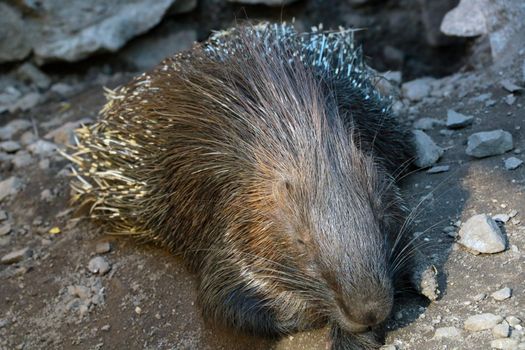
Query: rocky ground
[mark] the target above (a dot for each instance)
(64, 284)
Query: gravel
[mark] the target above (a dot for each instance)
(489, 143)
(481, 234)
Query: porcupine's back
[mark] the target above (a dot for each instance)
(183, 149)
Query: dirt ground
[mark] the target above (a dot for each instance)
(50, 300)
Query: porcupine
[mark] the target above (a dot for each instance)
(268, 160)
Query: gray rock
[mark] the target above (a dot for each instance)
(501, 217)
(14, 43)
(502, 294)
(62, 89)
(504, 344)
(9, 187)
(3, 215)
(5, 229)
(22, 159)
(42, 148)
(28, 138)
(29, 73)
(489, 143)
(481, 322)
(427, 123)
(388, 347)
(146, 52)
(417, 89)
(74, 31)
(447, 332)
(501, 330)
(457, 120)
(16, 256)
(513, 320)
(103, 248)
(465, 20)
(481, 234)
(427, 151)
(272, 2)
(26, 103)
(438, 169)
(510, 86)
(8, 131)
(10, 146)
(99, 265)
(510, 99)
(513, 163)
(46, 195)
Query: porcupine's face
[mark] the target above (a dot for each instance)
(344, 233)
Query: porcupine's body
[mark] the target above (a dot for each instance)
(266, 159)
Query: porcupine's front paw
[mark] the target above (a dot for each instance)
(343, 340)
(424, 277)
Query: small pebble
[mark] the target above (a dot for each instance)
(138, 310)
(10, 186)
(3, 215)
(438, 169)
(447, 332)
(103, 248)
(105, 328)
(427, 123)
(5, 229)
(501, 218)
(502, 294)
(81, 292)
(481, 234)
(16, 256)
(99, 265)
(427, 152)
(457, 120)
(513, 163)
(10, 146)
(510, 99)
(479, 297)
(510, 86)
(504, 344)
(481, 322)
(388, 347)
(501, 330)
(513, 320)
